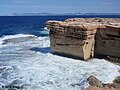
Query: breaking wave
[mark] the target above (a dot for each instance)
(26, 61)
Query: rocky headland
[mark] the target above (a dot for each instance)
(85, 38)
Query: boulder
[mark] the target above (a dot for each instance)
(97, 88)
(93, 81)
(96, 84)
(117, 80)
(116, 83)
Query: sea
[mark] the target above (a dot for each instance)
(11, 25)
(27, 62)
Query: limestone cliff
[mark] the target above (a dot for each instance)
(108, 41)
(85, 37)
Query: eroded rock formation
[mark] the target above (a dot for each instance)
(85, 37)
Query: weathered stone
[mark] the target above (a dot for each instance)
(108, 41)
(93, 88)
(116, 86)
(93, 81)
(117, 80)
(97, 88)
(119, 71)
(114, 60)
(84, 38)
(96, 84)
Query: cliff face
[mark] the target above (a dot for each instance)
(84, 38)
(108, 41)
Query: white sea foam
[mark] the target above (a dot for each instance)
(31, 65)
(44, 31)
(14, 36)
(45, 28)
(1, 41)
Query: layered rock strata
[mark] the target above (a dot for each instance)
(108, 41)
(83, 38)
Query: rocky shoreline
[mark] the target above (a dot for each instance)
(96, 84)
(85, 38)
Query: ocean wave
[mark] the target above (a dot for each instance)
(8, 37)
(45, 28)
(43, 32)
(29, 63)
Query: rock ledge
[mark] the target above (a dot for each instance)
(85, 38)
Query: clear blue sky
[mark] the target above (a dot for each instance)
(59, 6)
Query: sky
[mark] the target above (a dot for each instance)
(8, 7)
